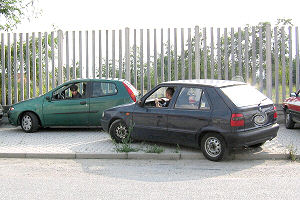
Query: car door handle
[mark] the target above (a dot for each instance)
(82, 102)
(159, 116)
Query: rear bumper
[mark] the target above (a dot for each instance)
(248, 138)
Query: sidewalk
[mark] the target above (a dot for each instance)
(92, 143)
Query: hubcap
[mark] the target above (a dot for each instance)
(213, 146)
(26, 122)
(121, 131)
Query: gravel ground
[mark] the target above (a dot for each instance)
(14, 140)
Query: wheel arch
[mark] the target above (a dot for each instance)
(22, 113)
(210, 130)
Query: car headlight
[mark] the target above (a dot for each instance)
(103, 114)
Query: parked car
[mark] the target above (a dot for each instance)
(291, 108)
(1, 113)
(214, 115)
(74, 103)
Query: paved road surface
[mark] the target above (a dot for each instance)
(140, 179)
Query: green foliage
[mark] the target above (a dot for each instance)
(154, 149)
(12, 12)
(292, 152)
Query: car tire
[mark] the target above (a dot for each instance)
(29, 122)
(289, 123)
(213, 146)
(257, 145)
(118, 131)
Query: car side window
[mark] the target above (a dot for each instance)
(161, 97)
(103, 89)
(71, 91)
(189, 98)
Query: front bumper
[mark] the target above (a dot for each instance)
(13, 118)
(252, 137)
(105, 125)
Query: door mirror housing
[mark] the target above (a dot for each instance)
(48, 98)
(293, 94)
(139, 103)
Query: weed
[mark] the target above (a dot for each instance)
(154, 149)
(292, 152)
(125, 145)
(177, 150)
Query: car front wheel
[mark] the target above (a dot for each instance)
(213, 146)
(289, 123)
(118, 130)
(29, 122)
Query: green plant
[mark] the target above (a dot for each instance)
(154, 149)
(125, 145)
(177, 150)
(292, 152)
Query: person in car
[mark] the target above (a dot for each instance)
(169, 94)
(75, 93)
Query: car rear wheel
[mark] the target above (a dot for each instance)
(118, 130)
(213, 146)
(29, 122)
(289, 123)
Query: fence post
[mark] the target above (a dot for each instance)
(148, 61)
(60, 55)
(127, 55)
(268, 61)
(297, 57)
(276, 65)
(113, 53)
(40, 64)
(197, 52)
(9, 96)
(67, 56)
(21, 67)
(3, 88)
(15, 70)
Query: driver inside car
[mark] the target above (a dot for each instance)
(169, 95)
(75, 93)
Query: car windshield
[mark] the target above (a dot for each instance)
(245, 95)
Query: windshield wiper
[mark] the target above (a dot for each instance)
(262, 101)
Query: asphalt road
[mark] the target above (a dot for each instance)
(145, 179)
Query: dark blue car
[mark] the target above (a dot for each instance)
(214, 115)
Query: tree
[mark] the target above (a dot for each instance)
(12, 12)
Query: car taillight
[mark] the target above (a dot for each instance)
(131, 94)
(237, 120)
(275, 115)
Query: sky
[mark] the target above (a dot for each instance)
(71, 15)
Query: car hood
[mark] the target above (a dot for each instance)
(28, 101)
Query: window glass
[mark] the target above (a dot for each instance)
(71, 91)
(245, 95)
(204, 102)
(160, 98)
(103, 89)
(189, 98)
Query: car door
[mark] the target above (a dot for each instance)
(189, 114)
(149, 121)
(63, 110)
(104, 95)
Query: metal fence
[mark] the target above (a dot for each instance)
(265, 57)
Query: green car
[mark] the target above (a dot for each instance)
(74, 103)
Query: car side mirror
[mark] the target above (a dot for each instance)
(293, 94)
(139, 103)
(48, 98)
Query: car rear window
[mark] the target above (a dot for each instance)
(245, 95)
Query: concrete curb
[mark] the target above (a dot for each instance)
(143, 156)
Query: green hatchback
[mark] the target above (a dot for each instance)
(79, 102)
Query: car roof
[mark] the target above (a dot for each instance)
(97, 79)
(206, 82)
